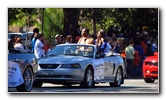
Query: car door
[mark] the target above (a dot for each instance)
(98, 69)
(109, 67)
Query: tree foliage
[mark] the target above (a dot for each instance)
(123, 17)
(53, 22)
(65, 20)
(23, 17)
(93, 15)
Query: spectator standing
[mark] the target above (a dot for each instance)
(136, 63)
(143, 44)
(149, 50)
(35, 36)
(154, 46)
(46, 46)
(50, 47)
(145, 30)
(39, 46)
(68, 39)
(58, 39)
(141, 54)
(129, 51)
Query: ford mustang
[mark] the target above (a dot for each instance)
(150, 68)
(69, 64)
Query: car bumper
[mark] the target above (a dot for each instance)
(150, 71)
(60, 75)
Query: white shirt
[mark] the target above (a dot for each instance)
(38, 50)
(107, 49)
(19, 46)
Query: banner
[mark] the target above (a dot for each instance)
(14, 74)
(98, 69)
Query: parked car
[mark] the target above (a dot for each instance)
(26, 37)
(69, 64)
(28, 40)
(13, 35)
(150, 68)
(22, 67)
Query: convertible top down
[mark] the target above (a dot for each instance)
(69, 64)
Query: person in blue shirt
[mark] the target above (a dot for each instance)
(35, 35)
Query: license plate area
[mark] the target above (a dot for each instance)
(47, 72)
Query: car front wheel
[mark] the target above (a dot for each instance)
(88, 78)
(118, 78)
(28, 81)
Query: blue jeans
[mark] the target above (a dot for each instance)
(136, 70)
(140, 68)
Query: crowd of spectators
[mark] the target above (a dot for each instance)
(133, 45)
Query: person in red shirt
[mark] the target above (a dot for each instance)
(143, 46)
(136, 63)
(46, 46)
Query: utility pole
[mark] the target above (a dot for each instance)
(27, 29)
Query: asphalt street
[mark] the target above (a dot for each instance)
(129, 86)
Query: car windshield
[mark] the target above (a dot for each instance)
(72, 50)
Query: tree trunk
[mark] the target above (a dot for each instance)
(93, 26)
(93, 21)
(70, 21)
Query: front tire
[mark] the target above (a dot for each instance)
(88, 78)
(149, 80)
(28, 81)
(118, 78)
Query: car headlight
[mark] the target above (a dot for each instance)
(39, 67)
(70, 66)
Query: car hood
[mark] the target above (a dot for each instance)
(62, 59)
(152, 58)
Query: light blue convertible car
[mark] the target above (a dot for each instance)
(69, 64)
(22, 67)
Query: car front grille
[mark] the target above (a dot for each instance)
(151, 63)
(49, 66)
(154, 72)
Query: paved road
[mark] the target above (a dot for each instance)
(130, 86)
